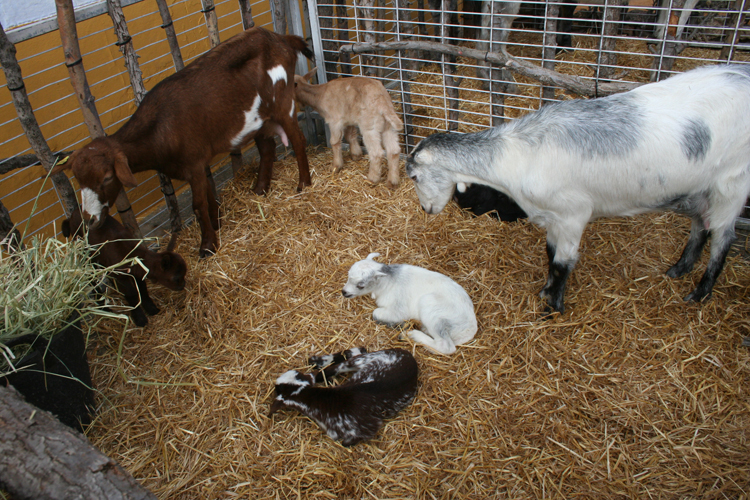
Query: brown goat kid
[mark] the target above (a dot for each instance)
(116, 244)
(348, 103)
(239, 91)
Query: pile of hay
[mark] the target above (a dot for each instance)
(630, 393)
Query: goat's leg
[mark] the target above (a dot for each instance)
(199, 186)
(563, 241)
(388, 317)
(294, 133)
(437, 344)
(267, 151)
(372, 142)
(692, 251)
(352, 137)
(721, 241)
(146, 302)
(392, 152)
(127, 285)
(337, 134)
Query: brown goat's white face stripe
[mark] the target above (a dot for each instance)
(277, 73)
(253, 122)
(91, 205)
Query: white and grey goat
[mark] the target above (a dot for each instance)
(682, 144)
(403, 292)
(382, 384)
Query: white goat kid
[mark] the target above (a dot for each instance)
(348, 103)
(403, 292)
(682, 144)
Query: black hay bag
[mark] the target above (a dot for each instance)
(57, 376)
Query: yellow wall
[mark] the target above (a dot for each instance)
(56, 107)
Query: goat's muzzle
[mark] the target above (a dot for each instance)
(346, 294)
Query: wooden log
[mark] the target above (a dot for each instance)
(74, 61)
(573, 84)
(174, 46)
(41, 458)
(14, 79)
(23, 161)
(125, 42)
(212, 22)
(246, 12)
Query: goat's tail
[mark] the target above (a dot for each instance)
(395, 121)
(298, 43)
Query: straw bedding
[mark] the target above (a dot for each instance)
(631, 393)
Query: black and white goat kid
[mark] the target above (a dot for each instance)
(382, 384)
(682, 144)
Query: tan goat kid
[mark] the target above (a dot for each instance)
(348, 103)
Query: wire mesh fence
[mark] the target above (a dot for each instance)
(636, 41)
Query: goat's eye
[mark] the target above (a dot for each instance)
(414, 177)
(361, 285)
(108, 179)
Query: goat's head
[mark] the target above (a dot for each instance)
(432, 182)
(101, 169)
(363, 277)
(289, 385)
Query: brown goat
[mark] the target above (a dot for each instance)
(116, 244)
(239, 91)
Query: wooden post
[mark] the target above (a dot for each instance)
(174, 46)
(28, 121)
(42, 458)
(212, 22)
(247, 14)
(278, 14)
(607, 57)
(74, 61)
(125, 42)
(550, 45)
(737, 20)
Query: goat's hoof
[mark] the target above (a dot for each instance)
(392, 185)
(139, 318)
(205, 253)
(696, 296)
(676, 271)
(151, 309)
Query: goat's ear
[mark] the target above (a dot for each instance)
(378, 275)
(123, 172)
(310, 74)
(65, 228)
(62, 164)
(372, 256)
(166, 261)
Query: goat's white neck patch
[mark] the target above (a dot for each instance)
(291, 111)
(277, 73)
(253, 122)
(90, 203)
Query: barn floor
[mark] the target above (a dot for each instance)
(631, 393)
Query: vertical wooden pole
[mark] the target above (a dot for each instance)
(74, 61)
(29, 123)
(125, 42)
(174, 46)
(212, 22)
(549, 45)
(278, 14)
(247, 14)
